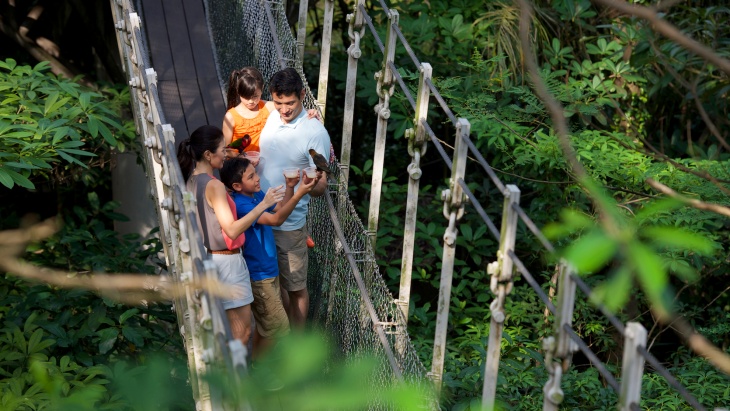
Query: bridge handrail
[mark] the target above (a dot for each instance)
(203, 324)
(639, 350)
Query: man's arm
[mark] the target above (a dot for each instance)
(321, 144)
(321, 186)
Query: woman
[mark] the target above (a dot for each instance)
(198, 156)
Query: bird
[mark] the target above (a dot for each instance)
(320, 162)
(241, 143)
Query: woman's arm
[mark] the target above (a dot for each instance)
(215, 194)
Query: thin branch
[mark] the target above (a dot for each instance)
(126, 287)
(715, 299)
(446, 144)
(700, 345)
(702, 174)
(700, 205)
(57, 67)
(692, 87)
(669, 31)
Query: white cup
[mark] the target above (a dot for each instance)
(311, 172)
(291, 172)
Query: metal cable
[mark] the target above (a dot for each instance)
(441, 101)
(369, 22)
(480, 210)
(531, 280)
(487, 168)
(363, 290)
(402, 84)
(274, 36)
(587, 291)
(437, 144)
(691, 400)
(600, 367)
(407, 46)
(531, 225)
(384, 6)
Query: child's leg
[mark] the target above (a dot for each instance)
(271, 319)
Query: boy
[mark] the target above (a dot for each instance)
(259, 250)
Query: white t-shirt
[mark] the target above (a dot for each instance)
(287, 145)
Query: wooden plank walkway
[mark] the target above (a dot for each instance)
(182, 55)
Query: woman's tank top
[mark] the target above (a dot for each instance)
(207, 221)
(250, 126)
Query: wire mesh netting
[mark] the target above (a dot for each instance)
(243, 36)
(253, 33)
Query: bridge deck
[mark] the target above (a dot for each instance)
(182, 55)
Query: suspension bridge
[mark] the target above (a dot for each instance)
(177, 55)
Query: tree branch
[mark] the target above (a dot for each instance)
(669, 31)
(57, 67)
(127, 288)
(692, 87)
(700, 205)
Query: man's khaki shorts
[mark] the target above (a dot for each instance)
(291, 247)
(268, 310)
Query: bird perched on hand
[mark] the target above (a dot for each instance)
(320, 162)
(241, 143)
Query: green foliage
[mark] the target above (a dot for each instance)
(615, 88)
(50, 125)
(71, 349)
(301, 366)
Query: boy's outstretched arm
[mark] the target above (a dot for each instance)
(285, 207)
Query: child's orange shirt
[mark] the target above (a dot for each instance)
(250, 126)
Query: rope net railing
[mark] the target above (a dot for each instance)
(253, 33)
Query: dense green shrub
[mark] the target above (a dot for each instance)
(72, 349)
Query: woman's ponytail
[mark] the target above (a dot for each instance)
(185, 158)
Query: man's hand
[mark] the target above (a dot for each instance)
(320, 186)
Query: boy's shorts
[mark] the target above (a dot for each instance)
(293, 254)
(233, 273)
(268, 310)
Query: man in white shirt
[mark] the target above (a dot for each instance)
(285, 142)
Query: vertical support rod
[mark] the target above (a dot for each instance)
(385, 89)
(302, 29)
(566, 303)
(505, 267)
(324, 61)
(355, 30)
(558, 360)
(632, 366)
(453, 210)
(414, 172)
